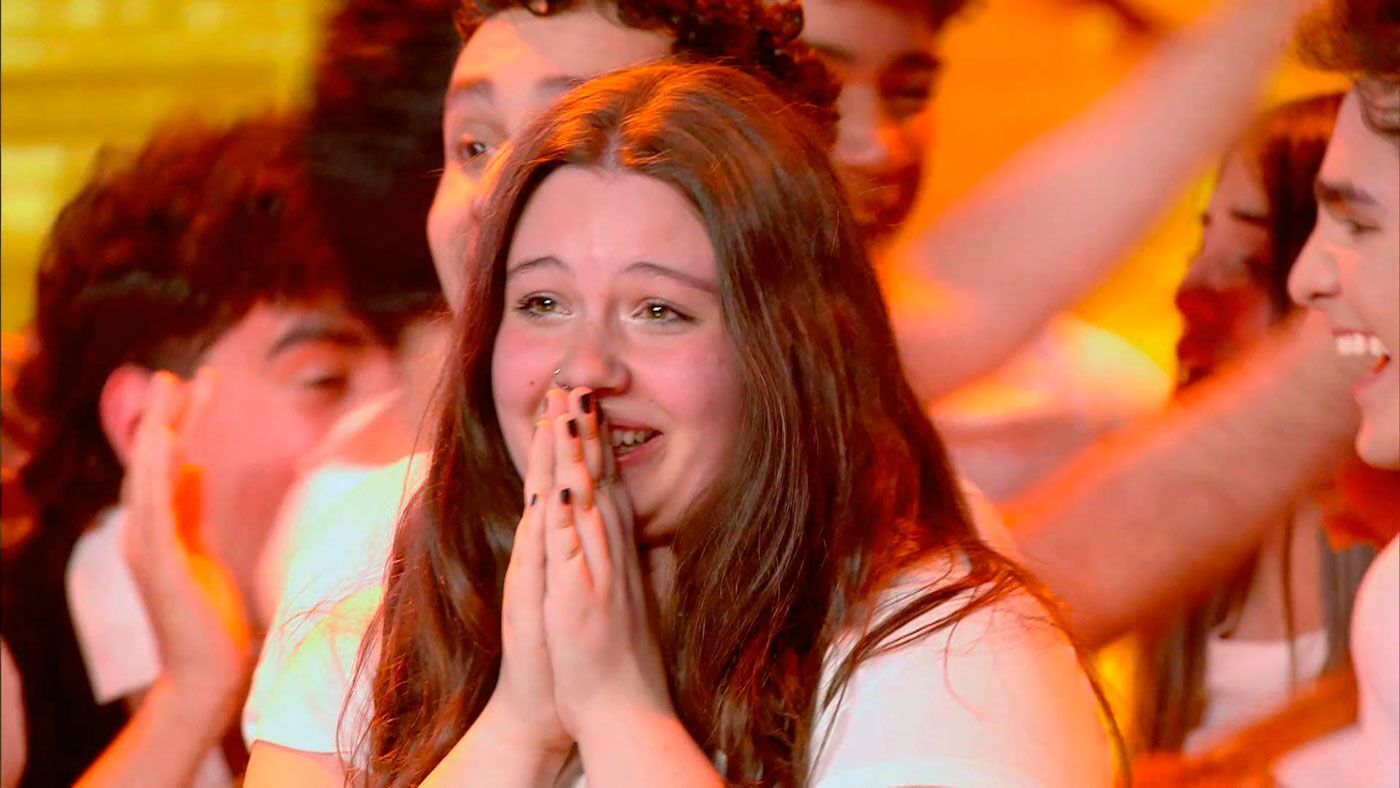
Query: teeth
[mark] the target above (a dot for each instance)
(627, 438)
(1357, 344)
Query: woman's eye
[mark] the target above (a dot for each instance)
(538, 305)
(657, 312)
(469, 152)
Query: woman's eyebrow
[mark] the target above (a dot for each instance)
(658, 269)
(520, 266)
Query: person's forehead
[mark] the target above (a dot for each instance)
(252, 337)
(631, 218)
(1358, 153)
(1239, 185)
(516, 50)
(866, 29)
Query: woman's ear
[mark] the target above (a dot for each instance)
(121, 406)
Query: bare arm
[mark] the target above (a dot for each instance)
(272, 766)
(1163, 511)
(166, 739)
(494, 752)
(969, 288)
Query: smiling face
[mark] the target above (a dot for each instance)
(1224, 302)
(881, 53)
(511, 68)
(611, 279)
(1350, 271)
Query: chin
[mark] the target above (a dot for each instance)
(1378, 444)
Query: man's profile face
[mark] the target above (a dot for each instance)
(283, 375)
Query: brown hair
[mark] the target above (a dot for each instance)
(1284, 150)
(157, 256)
(839, 480)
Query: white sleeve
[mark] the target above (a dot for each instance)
(341, 551)
(997, 700)
(317, 702)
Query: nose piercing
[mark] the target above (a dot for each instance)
(558, 383)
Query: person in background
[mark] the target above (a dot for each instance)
(1072, 491)
(373, 148)
(124, 622)
(1350, 272)
(959, 282)
(1285, 618)
(1016, 385)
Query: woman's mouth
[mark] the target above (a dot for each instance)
(626, 440)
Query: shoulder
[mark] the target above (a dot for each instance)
(997, 698)
(316, 698)
(343, 532)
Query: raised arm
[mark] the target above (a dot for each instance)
(970, 287)
(1148, 518)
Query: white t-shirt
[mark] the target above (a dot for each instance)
(998, 700)
(1247, 680)
(341, 548)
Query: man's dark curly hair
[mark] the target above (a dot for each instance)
(374, 148)
(157, 256)
(754, 36)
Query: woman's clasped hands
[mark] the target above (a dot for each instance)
(580, 655)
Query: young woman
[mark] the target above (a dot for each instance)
(741, 555)
(1285, 617)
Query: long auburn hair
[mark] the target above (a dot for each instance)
(837, 484)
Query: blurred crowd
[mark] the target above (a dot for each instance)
(582, 392)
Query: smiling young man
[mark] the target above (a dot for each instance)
(1350, 273)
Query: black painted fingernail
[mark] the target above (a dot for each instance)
(564, 495)
(585, 401)
(573, 428)
(534, 499)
